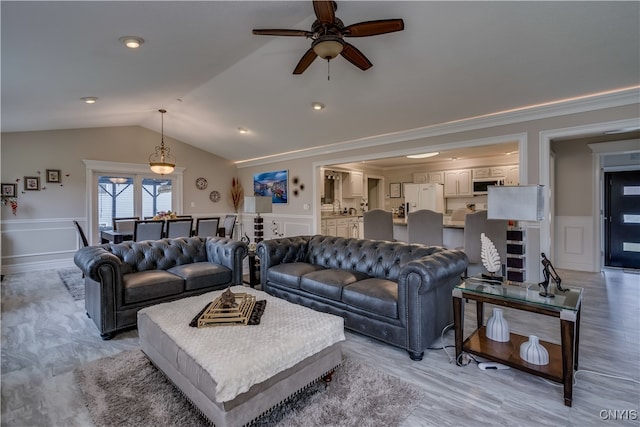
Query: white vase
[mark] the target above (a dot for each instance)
(533, 352)
(497, 327)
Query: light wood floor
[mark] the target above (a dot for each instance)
(46, 335)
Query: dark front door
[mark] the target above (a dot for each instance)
(622, 219)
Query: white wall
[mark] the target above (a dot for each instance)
(41, 234)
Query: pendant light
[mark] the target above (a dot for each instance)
(162, 162)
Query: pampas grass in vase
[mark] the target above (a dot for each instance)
(236, 194)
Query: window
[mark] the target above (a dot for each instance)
(127, 189)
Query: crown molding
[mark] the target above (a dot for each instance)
(611, 99)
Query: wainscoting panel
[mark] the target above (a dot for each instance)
(29, 245)
(288, 225)
(574, 243)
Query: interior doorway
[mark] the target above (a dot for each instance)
(374, 192)
(622, 219)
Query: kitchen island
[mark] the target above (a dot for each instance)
(452, 232)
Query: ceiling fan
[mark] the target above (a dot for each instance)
(328, 32)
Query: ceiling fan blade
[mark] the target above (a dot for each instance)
(353, 55)
(305, 61)
(373, 28)
(293, 33)
(325, 11)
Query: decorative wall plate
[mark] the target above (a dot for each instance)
(201, 183)
(214, 196)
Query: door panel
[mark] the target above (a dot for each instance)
(622, 219)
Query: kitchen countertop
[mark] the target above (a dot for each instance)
(447, 223)
(339, 216)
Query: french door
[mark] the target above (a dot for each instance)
(622, 219)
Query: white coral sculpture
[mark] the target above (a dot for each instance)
(489, 254)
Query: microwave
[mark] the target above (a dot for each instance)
(480, 184)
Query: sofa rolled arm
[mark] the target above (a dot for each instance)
(284, 250)
(229, 253)
(90, 259)
(434, 270)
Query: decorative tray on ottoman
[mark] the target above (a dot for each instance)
(217, 314)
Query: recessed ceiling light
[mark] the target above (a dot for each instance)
(132, 42)
(243, 130)
(318, 106)
(89, 99)
(423, 156)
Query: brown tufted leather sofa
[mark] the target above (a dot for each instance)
(396, 292)
(121, 279)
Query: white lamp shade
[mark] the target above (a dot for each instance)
(257, 204)
(517, 202)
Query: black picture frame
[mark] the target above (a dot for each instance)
(53, 175)
(9, 190)
(32, 183)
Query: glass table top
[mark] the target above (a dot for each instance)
(526, 292)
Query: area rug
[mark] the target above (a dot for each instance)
(73, 281)
(126, 389)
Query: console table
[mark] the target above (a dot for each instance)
(563, 359)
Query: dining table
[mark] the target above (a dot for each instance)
(110, 236)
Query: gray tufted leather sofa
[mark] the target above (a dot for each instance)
(396, 292)
(122, 278)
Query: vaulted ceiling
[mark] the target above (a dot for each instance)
(200, 62)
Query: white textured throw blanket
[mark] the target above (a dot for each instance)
(238, 357)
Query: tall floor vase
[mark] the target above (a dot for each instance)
(497, 327)
(533, 352)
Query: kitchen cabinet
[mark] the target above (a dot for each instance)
(492, 172)
(512, 175)
(353, 185)
(342, 227)
(330, 227)
(457, 183)
(436, 177)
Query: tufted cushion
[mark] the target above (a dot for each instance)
(201, 275)
(378, 296)
(329, 283)
(289, 274)
(375, 258)
(159, 254)
(148, 285)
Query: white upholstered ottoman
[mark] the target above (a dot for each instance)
(233, 374)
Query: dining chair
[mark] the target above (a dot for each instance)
(147, 230)
(124, 224)
(85, 242)
(180, 227)
(207, 226)
(476, 223)
(425, 227)
(378, 225)
(227, 226)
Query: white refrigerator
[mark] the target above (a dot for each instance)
(423, 196)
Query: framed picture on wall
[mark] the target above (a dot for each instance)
(9, 190)
(272, 184)
(53, 175)
(395, 190)
(32, 183)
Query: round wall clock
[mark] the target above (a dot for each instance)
(214, 196)
(201, 183)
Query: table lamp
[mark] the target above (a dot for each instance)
(516, 203)
(257, 205)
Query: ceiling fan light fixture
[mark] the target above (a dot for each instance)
(89, 99)
(328, 47)
(424, 155)
(161, 161)
(132, 42)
